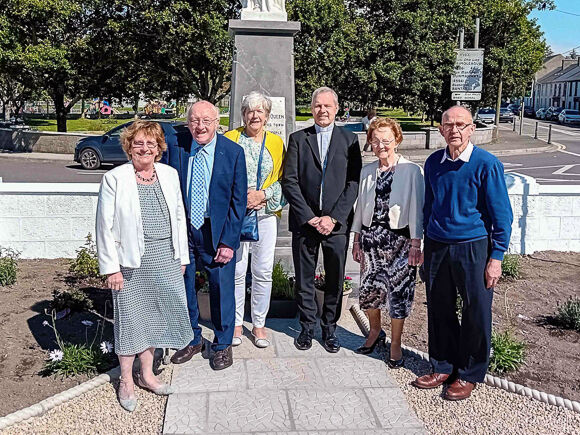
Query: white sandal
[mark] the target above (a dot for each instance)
(262, 343)
(236, 341)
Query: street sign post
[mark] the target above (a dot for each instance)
(468, 74)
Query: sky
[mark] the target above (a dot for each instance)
(561, 29)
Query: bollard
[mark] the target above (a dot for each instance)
(550, 134)
(536, 131)
(521, 124)
(514, 124)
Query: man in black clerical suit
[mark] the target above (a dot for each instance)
(320, 182)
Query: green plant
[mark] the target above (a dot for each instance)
(507, 353)
(202, 282)
(568, 314)
(86, 264)
(78, 359)
(71, 298)
(8, 266)
(510, 266)
(282, 284)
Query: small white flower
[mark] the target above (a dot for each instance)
(56, 355)
(45, 323)
(87, 323)
(106, 347)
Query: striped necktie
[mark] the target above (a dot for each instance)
(197, 191)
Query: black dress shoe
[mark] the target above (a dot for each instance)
(331, 343)
(222, 359)
(395, 363)
(364, 350)
(185, 354)
(304, 340)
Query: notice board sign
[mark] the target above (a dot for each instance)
(468, 74)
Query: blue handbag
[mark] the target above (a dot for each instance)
(250, 222)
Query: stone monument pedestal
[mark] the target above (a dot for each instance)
(264, 61)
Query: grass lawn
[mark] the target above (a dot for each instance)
(408, 123)
(96, 125)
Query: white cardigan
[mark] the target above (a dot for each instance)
(405, 202)
(119, 227)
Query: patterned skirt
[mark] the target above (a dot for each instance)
(151, 310)
(387, 280)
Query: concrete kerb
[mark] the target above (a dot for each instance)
(490, 380)
(58, 399)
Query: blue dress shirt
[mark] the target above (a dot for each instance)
(208, 153)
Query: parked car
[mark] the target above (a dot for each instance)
(515, 108)
(529, 111)
(569, 116)
(505, 115)
(541, 113)
(552, 113)
(485, 115)
(92, 151)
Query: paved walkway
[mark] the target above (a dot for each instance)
(283, 390)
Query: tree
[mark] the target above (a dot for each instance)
(335, 47)
(514, 47)
(182, 47)
(417, 37)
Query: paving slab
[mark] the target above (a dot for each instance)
(281, 390)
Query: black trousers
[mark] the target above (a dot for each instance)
(452, 268)
(305, 247)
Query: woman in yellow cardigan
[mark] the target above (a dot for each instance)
(266, 198)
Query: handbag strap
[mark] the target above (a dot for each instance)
(260, 161)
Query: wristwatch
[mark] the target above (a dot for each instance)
(334, 221)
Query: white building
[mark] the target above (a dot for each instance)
(559, 85)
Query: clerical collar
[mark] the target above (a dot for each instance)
(320, 129)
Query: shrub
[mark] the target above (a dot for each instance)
(510, 266)
(78, 359)
(568, 314)
(8, 266)
(72, 298)
(86, 264)
(202, 282)
(507, 353)
(282, 284)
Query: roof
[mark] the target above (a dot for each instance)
(555, 75)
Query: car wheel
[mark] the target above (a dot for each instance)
(90, 159)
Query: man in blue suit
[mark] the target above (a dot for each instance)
(212, 170)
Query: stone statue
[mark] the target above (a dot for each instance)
(268, 10)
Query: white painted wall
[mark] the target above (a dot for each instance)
(545, 217)
(47, 220)
(51, 220)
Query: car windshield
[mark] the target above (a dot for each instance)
(486, 111)
(504, 109)
(572, 112)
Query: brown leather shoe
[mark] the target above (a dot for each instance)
(222, 359)
(185, 354)
(432, 380)
(459, 390)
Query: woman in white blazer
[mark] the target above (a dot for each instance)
(388, 228)
(142, 249)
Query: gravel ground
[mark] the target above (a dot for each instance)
(98, 412)
(489, 410)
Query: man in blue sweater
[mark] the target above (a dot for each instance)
(467, 221)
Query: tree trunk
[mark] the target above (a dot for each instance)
(60, 110)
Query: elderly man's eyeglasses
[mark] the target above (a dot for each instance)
(460, 127)
(206, 121)
(382, 143)
(148, 144)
